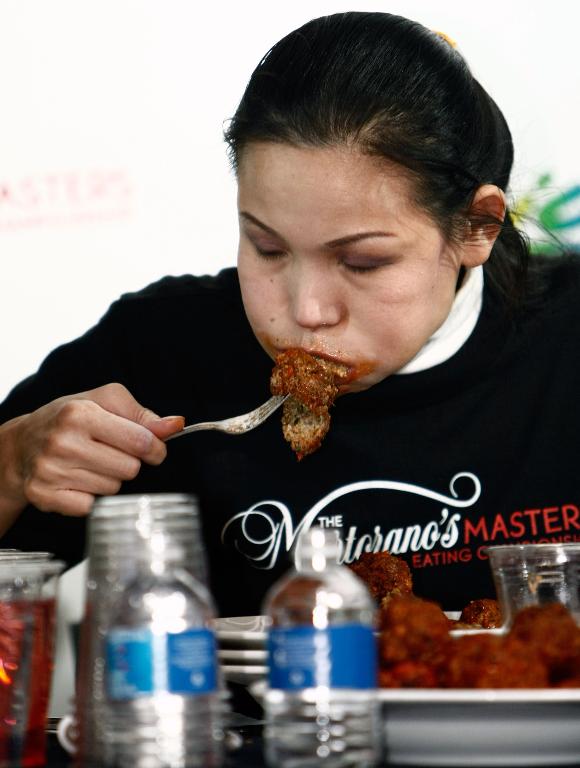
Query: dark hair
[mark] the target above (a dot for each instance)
(396, 90)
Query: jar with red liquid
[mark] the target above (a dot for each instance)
(27, 629)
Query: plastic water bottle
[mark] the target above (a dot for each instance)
(120, 533)
(321, 704)
(161, 677)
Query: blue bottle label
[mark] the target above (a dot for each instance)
(343, 656)
(191, 664)
(129, 663)
(140, 663)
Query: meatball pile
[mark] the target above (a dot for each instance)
(387, 576)
(416, 650)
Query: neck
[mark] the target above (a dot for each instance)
(456, 329)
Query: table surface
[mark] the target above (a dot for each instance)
(249, 752)
(249, 755)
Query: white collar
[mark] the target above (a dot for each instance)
(456, 329)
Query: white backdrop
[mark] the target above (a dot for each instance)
(112, 167)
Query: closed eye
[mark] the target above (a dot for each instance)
(362, 265)
(269, 253)
(358, 268)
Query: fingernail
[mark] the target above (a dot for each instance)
(177, 422)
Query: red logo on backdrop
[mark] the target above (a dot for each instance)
(64, 198)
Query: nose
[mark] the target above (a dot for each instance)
(316, 300)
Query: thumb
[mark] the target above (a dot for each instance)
(117, 399)
(161, 426)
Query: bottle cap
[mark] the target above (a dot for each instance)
(316, 549)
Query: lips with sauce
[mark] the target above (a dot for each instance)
(313, 384)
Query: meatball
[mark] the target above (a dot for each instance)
(384, 574)
(312, 384)
(551, 631)
(491, 661)
(413, 630)
(409, 674)
(308, 379)
(302, 428)
(484, 613)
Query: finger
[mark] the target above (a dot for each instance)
(92, 483)
(107, 460)
(129, 438)
(52, 478)
(67, 502)
(123, 459)
(68, 449)
(88, 419)
(72, 503)
(157, 454)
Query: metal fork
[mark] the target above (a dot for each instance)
(237, 425)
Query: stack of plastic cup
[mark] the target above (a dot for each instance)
(118, 529)
(27, 626)
(18, 554)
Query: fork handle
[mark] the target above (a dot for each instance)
(192, 428)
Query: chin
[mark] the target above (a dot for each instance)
(352, 387)
(268, 348)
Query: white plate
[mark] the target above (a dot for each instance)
(235, 656)
(239, 632)
(244, 631)
(245, 674)
(482, 727)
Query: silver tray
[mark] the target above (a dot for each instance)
(444, 727)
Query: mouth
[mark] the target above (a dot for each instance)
(349, 374)
(342, 368)
(346, 372)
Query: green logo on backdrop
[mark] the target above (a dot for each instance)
(556, 212)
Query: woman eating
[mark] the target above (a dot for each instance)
(375, 234)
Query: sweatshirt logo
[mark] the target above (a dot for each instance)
(261, 531)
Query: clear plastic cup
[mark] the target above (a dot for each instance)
(535, 574)
(573, 575)
(27, 630)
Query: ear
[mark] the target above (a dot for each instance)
(484, 217)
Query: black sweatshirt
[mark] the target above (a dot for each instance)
(432, 466)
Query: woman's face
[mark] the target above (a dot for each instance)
(335, 258)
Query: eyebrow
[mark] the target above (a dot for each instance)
(330, 244)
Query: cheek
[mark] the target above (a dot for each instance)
(415, 293)
(395, 319)
(262, 298)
